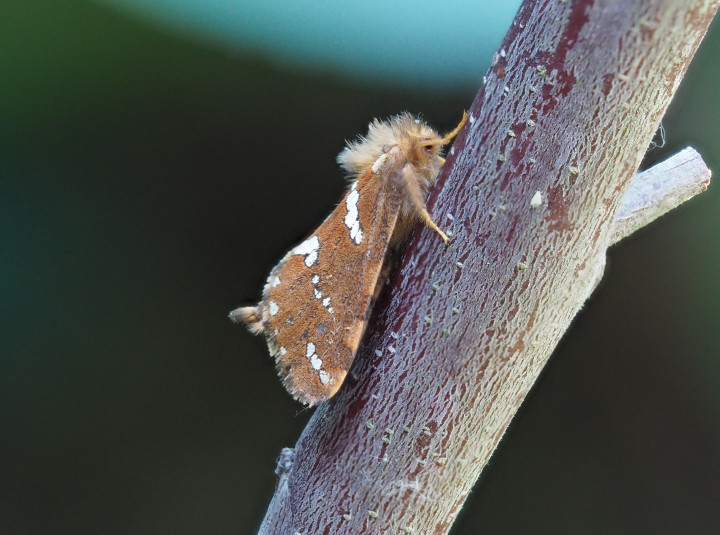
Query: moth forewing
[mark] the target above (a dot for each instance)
(316, 300)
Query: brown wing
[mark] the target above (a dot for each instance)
(316, 303)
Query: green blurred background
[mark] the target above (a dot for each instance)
(156, 161)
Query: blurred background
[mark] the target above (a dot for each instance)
(152, 156)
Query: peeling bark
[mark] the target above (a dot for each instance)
(461, 333)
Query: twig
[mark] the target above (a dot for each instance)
(659, 189)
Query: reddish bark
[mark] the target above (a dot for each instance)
(461, 333)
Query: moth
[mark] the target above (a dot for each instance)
(317, 300)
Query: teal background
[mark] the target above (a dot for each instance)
(150, 176)
(403, 42)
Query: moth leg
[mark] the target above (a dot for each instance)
(250, 316)
(416, 197)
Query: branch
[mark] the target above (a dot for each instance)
(461, 333)
(660, 189)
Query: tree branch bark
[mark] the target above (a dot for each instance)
(533, 193)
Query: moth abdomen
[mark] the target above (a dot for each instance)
(250, 316)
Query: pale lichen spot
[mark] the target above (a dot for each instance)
(316, 361)
(309, 249)
(310, 259)
(325, 377)
(351, 218)
(274, 308)
(276, 282)
(471, 119)
(315, 279)
(283, 351)
(536, 200)
(356, 233)
(326, 302)
(318, 293)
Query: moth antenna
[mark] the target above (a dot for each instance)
(250, 316)
(416, 197)
(449, 136)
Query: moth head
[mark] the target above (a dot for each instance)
(416, 142)
(422, 146)
(425, 154)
